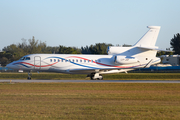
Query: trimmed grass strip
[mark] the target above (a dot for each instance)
(101, 101)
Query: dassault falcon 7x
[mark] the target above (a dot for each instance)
(119, 59)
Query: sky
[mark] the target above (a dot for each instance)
(77, 23)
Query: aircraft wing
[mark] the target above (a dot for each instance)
(101, 71)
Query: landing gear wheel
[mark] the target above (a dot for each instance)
(91, 76)
(96, 76)
(101, 77)
(29, 75)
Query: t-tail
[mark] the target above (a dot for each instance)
(144, 51)
(146, 43)
(146, 46)
(150, 38)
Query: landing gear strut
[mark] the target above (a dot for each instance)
(95, 76)
(29, 75)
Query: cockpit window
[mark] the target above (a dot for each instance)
(27, 58)
(22, 58)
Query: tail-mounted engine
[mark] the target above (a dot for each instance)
(124, 60)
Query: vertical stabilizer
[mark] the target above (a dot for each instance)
(149, 39)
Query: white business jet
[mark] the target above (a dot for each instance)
(119, 59)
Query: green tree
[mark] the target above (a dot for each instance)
(4, 61)
(175, 43)
(33, 46)
(159, 53)
(85, 50)
(50, 49)
(98, 48)
(15, 52)
(68, 50)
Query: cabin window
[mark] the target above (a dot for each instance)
(146, 58)
(80, 60)
(54, 60)
(50, 60)
(73, 60)
(58, 60)
(66, 60)
(92, 61)
(84, 60)
(77, 60)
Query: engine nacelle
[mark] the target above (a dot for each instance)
(125, 60)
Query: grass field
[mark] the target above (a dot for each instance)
(89, 101)
(120, 76)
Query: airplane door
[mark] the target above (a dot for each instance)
(37, 62)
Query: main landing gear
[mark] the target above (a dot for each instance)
(95, 76)
(29, 75)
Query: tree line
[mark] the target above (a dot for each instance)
(16, 51)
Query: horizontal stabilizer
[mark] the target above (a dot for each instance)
(155, 48)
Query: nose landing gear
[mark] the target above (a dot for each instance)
(29, 75)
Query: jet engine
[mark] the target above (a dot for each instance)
(124, 60)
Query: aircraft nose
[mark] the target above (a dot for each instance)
(9, 65)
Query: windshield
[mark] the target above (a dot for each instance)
(22, 58)
(25, 58)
